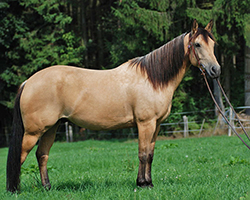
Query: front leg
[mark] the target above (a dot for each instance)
(147, 136)
(144, 173)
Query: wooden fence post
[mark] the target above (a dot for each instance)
(131, 132)
(70, 133)
(185, 120)
(230, 121)
(203, 121)
(67, 131)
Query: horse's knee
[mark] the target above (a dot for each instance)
(143, 157)
(146, 157)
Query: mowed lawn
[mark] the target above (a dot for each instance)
(197, 168)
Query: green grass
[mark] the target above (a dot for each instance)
(196, 168)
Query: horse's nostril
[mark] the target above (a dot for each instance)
(215, 71)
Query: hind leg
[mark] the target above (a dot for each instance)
(42, 154)
(29, 141)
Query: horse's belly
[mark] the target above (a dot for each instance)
(98, 114)
(102, 123)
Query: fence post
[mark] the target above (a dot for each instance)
(203, 121)
(185, 120)
(70, 133)
(6, 135)
(67, 131)
(131, 132)
(230, 121)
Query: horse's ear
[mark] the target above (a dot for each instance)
(209, 26)
(194, 27)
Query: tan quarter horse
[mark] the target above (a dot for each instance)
(137, 93)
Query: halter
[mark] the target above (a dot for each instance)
(192, 47)
(202, 69)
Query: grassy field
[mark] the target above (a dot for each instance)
(196, 168)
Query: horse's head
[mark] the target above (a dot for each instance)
(201, 49)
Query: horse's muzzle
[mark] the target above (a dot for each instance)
(214, 71)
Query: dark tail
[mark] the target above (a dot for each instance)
(15, 147)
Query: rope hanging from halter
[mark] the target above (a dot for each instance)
(202, 69)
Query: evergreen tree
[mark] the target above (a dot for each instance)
(34, 36)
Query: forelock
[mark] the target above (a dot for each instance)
(205, 34)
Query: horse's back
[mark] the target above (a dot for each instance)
(95, 99)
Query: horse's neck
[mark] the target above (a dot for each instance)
(185, 66)
(178, 78)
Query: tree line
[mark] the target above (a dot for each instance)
(102, 34)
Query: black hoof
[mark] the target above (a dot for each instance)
(144, 183)
(47, 186)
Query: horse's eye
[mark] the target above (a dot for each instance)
(197, 45)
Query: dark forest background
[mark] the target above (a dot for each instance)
(102, 34)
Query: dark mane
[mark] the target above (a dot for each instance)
(162, 64)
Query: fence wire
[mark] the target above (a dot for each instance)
(70, 132)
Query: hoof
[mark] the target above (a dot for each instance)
(47, 186)
(144, 184)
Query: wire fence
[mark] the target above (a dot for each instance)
(69, 132)
(184, 128)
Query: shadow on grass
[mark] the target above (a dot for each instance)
(74, 186)
(90, 184)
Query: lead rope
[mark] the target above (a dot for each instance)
(224, 94)
(219, 109)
